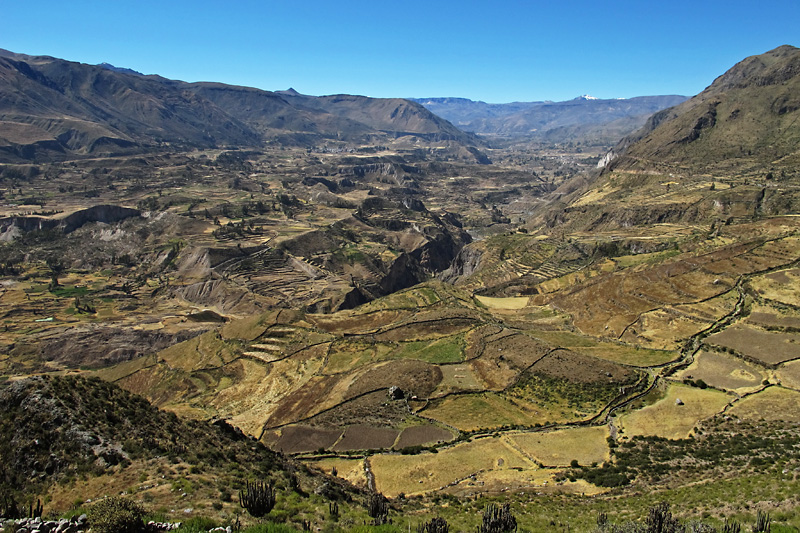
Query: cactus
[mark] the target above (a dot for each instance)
(731, 527)
(257, 498)
(762, 523)
(434, 525)
(660, 519)
(378, 508)
(498, 519)
(9, 507)
(35, 511)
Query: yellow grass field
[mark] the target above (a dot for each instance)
(586, 445)
(490, 410)
(773, 403)
(430, 471)
(724, 371)
(782, 286)
(789, 374)
(504, 303)
(610, 351)
(350, 469)
(667, 419)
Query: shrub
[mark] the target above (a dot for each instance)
(116, 515)
(197, 524)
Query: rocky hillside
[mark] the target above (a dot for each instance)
(730, 153)
(746, 122)
(56, 430)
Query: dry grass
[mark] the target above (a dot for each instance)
(350, 469)
(789, 374)
(457, 378)
(783, 286)
(431, 471)
(773, 403)
(479, 411)
(586, 445)
(345, 356)
(667, 419)
(491, 410)
(512, 303)
(766, 346)
(610, 351)
(724, 371)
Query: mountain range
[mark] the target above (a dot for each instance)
(51, 108)
(584, 116)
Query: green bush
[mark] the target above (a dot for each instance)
(270, 528)
(197, 524)
(116, 515)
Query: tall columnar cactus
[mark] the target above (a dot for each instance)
(258, 498)
(762, 523)
(333, 509)
(731, 526)
(35, 510)
(498, 519)
(378, 508)
(434, 525)
(660, 519)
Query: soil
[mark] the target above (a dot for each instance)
(299, 439)
(578, 368)
(366, 438)
(423, 435)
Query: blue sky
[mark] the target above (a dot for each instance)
(498, 51)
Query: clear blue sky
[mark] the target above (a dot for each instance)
(498, 51)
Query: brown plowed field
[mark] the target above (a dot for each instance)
(298, 439)
(427, 330)
(774, 319)
(414, 377)
(578, 368)
(766, 346)
(423, 435)
(366, 438)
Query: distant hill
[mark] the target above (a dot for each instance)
(556, 121)
(56, 109)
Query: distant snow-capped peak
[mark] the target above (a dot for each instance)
(586, 97)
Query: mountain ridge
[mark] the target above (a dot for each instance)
(541, 119)
(56, 109)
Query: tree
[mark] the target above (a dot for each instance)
(57, 268)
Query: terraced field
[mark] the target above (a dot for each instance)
(507, 390)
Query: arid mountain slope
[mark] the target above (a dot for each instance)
(731, 152)
(743, 123)
(56, 109)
